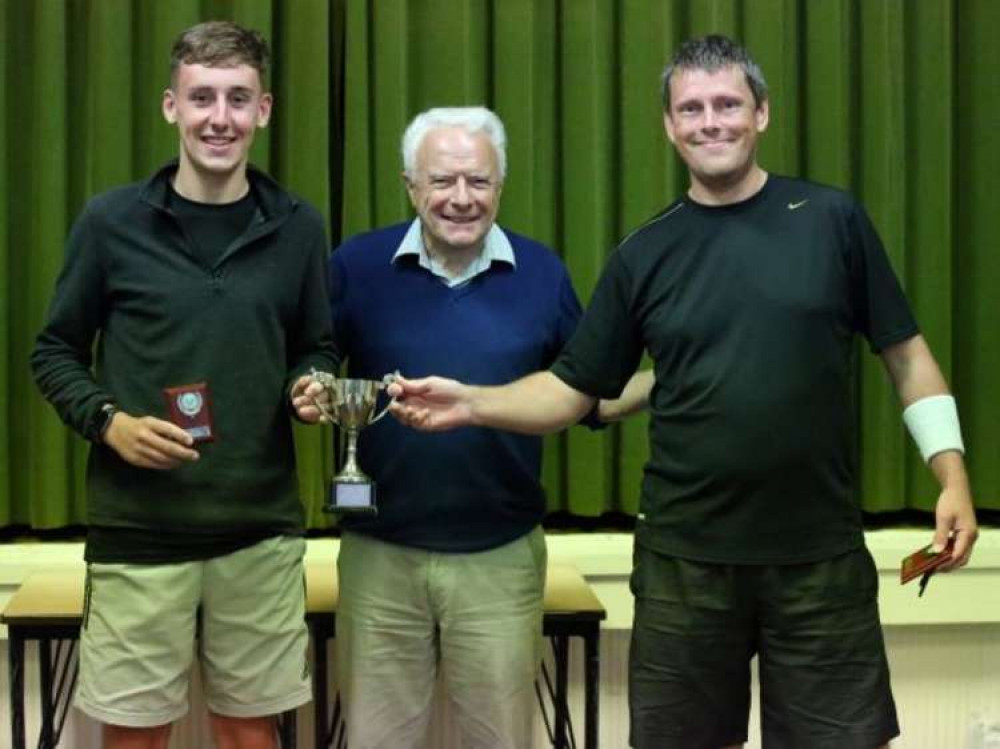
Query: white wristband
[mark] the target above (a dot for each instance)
(933, 424)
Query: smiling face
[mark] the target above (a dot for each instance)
(455, 189)
(714, 124)
(216, 110)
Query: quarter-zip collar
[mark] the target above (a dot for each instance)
(274, 205)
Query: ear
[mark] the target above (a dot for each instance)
(668, 125)
(411, 188)
(763, 116)
(264, 109)
(169, 106)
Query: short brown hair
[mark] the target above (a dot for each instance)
(220, 44)
(711, 53)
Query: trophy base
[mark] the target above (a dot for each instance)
(352, 498)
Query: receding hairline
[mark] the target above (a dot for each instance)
(710, 54)
(471, 119)
(480, 135)
(679, 71)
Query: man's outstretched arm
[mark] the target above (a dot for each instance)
(537, 404)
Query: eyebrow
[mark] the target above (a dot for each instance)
(711, 98)
(233, 90)
(467, 175)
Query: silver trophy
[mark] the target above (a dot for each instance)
(352, 407)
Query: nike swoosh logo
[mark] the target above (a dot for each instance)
(793, 206)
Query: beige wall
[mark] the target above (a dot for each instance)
(944, 649)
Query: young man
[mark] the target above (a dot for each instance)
(204, 287)
(449, 575)
(747, 292)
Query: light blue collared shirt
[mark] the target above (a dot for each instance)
(496, 247)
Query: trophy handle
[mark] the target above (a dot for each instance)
(386, 381)
(327, 413)
(323, 377)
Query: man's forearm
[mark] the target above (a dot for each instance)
(913, 370)
(928, 408)
(634, 398)
(65, 380)
(949, 469)
(537, 404)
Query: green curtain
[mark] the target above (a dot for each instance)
(892, 99)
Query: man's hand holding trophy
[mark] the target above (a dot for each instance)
(351, 405)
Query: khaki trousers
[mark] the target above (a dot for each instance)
(407, 614)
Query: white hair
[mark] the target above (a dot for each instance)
(471, 119)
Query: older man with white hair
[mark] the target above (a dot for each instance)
(448, 576)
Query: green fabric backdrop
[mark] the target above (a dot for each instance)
(892, 99)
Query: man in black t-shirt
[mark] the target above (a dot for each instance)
(747, 293)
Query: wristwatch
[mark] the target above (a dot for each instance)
(103, 421)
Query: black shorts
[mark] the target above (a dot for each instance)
(824, 679)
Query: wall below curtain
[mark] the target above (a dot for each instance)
(892, 100)
(944, 649)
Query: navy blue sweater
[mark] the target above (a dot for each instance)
(473, 488)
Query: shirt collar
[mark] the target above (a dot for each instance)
(496, 248)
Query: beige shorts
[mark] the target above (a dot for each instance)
(141, 633)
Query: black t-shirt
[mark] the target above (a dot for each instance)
(212, 227)
(749, 312)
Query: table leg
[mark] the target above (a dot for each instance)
(592, 686)
(64, 668)
(46, 733)
(320, 693)
(338, 729)
(560, 646)
(287, 729)
(15, 666)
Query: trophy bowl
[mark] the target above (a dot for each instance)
(352, 407)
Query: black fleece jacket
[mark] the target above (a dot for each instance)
(249, 325)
